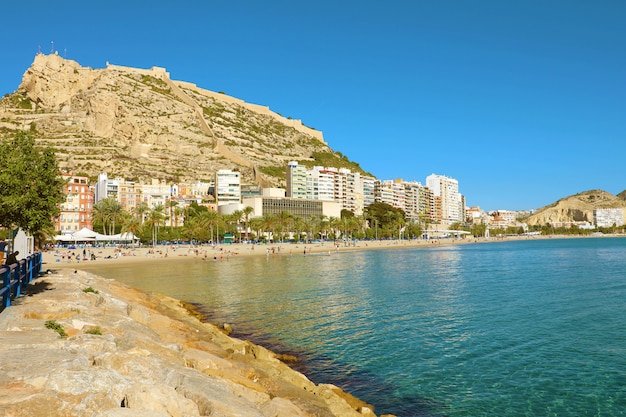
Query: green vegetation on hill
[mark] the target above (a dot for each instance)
(332, 159)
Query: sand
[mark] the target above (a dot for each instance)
(73, 258)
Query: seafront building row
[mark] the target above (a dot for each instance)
(309, 192)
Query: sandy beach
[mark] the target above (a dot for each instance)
(85, 255)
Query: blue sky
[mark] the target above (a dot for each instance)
(522, 102)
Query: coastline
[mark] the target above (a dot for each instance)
(58, 258)
(140, 255)
(127, 352)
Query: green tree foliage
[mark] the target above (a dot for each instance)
(385, 218)
(31, 188)
(106, 214)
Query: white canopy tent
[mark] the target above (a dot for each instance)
(86, 235)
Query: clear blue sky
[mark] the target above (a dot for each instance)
(522, 102)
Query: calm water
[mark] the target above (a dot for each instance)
(525, 328)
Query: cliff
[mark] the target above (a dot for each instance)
(576, 208)
(129, 353)
(141, 124)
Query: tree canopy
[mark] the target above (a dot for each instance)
(31, 187)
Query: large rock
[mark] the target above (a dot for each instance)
(132, 354)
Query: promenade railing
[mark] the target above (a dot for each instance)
(17, 276)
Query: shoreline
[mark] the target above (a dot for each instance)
(67, 258)
(76, 343)
(141, 255)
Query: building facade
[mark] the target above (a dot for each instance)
(227, 187)
(76, 210)
(608, 217)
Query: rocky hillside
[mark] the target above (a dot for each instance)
(140, 124)
(576, 208)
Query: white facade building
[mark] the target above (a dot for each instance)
(296, 180)
(369, 190)
(227, 187)
(608, 217)
(447, 189)
(321, 184)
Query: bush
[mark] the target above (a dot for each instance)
(52, 324)
(89, 289)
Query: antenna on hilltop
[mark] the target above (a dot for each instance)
(39, 49)
(52, 48)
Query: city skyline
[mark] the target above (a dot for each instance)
(522, 103)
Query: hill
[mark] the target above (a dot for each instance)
(141, 124)
(576, 208)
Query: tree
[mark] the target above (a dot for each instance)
(132, 226)
(106, 212)
(156, 218)
(31, 188)
(385, 218)
(247, 211)
(171, 204)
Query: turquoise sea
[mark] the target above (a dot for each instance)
(519, 328)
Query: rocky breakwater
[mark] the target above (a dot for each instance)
(77, 344)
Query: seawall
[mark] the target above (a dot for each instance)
(81, 345)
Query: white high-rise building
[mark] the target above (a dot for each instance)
(296, 180)
(227, 187)
(349, 191)
(447, 189)
(321, 184)
(384, 192)
(369, 190)
(106, 188)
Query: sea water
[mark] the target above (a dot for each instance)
(519, 328)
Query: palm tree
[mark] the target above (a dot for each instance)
(177, 213)
(285, 220)
(257, 223)
(236, 217)
(247, 211)
(269, 225)
(321, 224)
(171, 204)
(210, 219)
(335, 224)
(141, 211)
(133, 226)
(107, 211)
(298, 227)
(99, 214)
(156, 218)
(114, 210)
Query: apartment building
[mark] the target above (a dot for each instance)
(446, 189)
(608, 217)
(77, 208)
(296, 180)
(227, 187)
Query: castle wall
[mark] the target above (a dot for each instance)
(264, 110)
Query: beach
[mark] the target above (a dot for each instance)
(81, 256)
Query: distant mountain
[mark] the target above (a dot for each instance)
(577, 208)
(140, 124)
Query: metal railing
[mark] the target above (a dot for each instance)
(16, 277)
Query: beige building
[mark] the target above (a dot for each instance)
(77, 208)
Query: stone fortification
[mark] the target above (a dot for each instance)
(265, 110)
(139, 124)
(128, 353)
